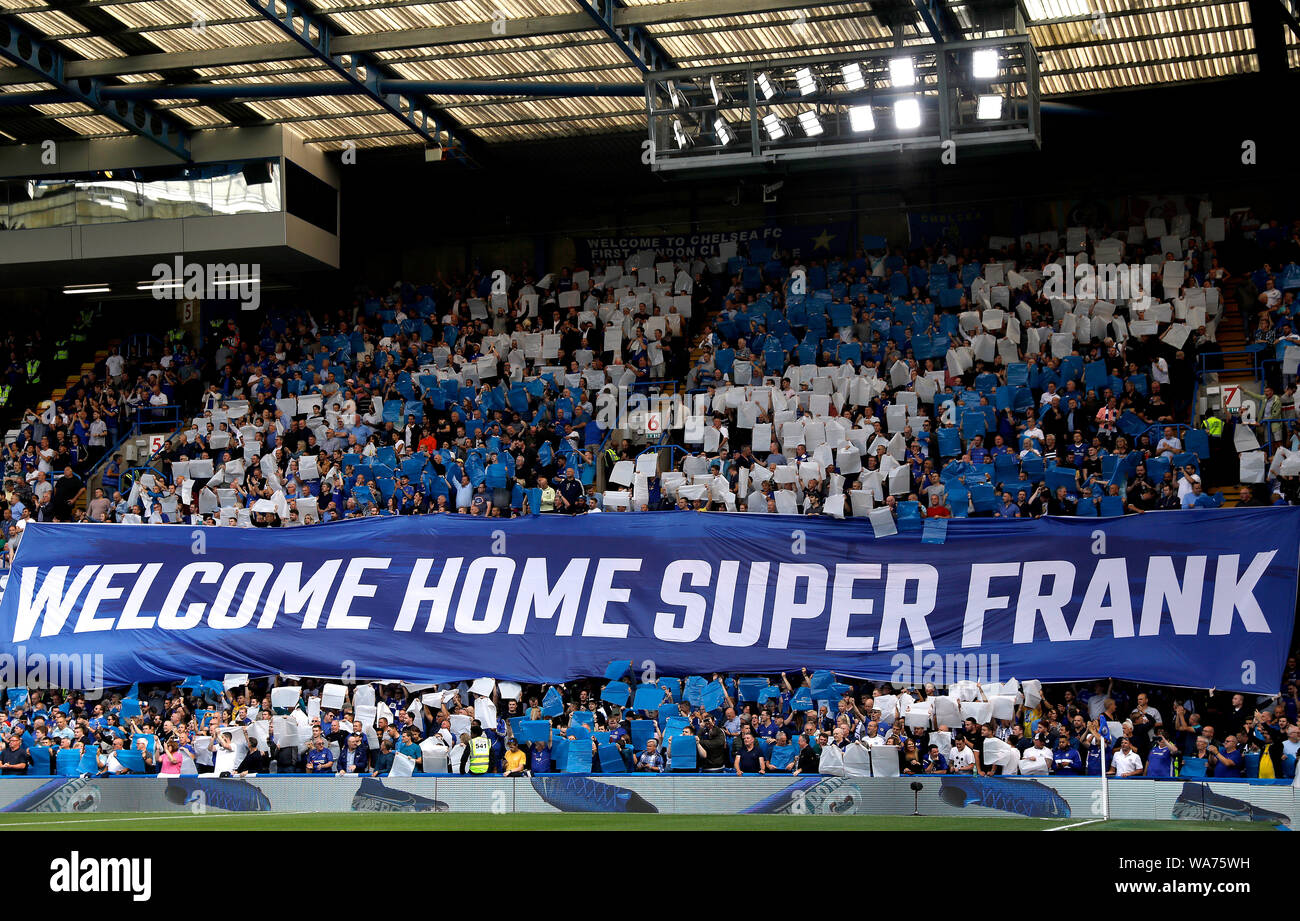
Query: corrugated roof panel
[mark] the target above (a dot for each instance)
(92, 124)
(1205, 54)
(432, 15)
(821, 29)
(210, 36)
(198, 116)
(356, 127)
(258, 71)
(601, 63)
(455, 12)
(1132, 76)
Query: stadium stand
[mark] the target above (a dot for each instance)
(1115, 362)
(922, 383)
(927, 383)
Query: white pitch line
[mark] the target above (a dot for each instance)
(1075, 825)
(146, 818)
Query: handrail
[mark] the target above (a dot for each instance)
(168, 414)
(140, 341)
(1268, 424)
(1252, 354)
(130, 471)
(95, 475)
(672, 448)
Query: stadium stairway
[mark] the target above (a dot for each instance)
(1230, 336)
(87, 367)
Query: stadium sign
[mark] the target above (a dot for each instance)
(1204, 600)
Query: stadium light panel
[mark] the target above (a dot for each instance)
(907, 113)
(725, 134)
(810, 123)
(902, 72)
(805, 80)
(100, 288)
(679, 135)
(775, 129)
(766, 86)
(717, 94)
(853, 78)
(861, 118)
(984, 63)
(989, 108)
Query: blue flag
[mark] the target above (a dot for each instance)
(552, 703)
(647, 697)
(617, 669)
(615, 692)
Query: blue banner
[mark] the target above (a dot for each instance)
(809, 241)
(925, 228)
(1200, 598)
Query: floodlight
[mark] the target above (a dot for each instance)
(989, 108)
(901, 72)
(861, 118)
(804, 78)
(725, 134)
(907, 113)
(984, 63)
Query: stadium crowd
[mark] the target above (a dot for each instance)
(940, 382)
(747, 725)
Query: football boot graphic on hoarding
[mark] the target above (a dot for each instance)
(1198, 802)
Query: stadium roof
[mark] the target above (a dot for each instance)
(1085, 46)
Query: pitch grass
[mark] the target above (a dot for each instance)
(398, 821)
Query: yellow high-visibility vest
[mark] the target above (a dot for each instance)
(479, 750)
